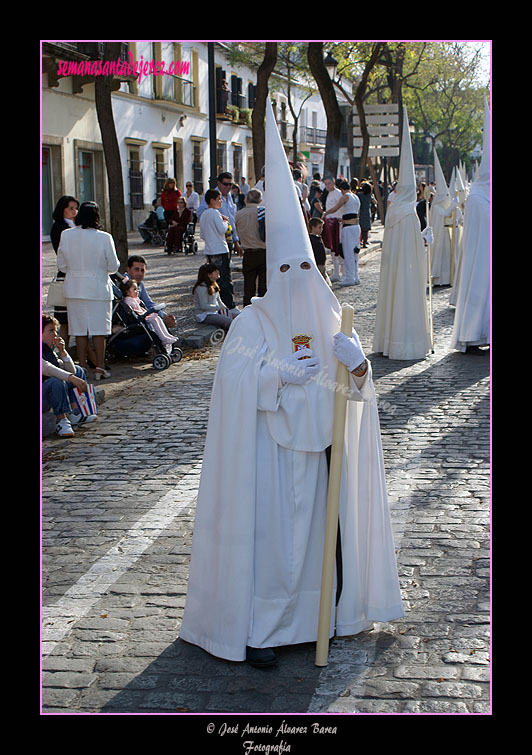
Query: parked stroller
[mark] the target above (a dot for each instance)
(131, 335)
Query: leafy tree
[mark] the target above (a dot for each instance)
(113, 164)
(330, 103)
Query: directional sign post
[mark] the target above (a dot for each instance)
(382, 122)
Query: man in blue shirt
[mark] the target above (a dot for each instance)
(136, 269)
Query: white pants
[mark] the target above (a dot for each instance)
(338, 265)
(350, 237)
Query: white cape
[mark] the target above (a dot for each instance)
(441, 248)
(255, 571)
(440, 210)
(401, 321)
(472, 315)
(457, 256)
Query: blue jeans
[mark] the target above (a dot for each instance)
(57, 394)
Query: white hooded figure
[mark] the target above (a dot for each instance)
(255, 571)
(401, 322)
(440, 219)
(472, 315)
(460, 193)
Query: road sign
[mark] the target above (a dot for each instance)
(383, 127)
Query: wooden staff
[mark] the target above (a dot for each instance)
(333, 498)
(429, 267)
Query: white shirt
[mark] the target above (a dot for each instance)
(333, 197)
(352, 205)
(212, 231)
(192, 200)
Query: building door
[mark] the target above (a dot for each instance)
(178, 165)
(86, 177)
(47, 197)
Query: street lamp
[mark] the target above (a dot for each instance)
(330, 65)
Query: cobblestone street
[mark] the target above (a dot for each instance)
(118, 512)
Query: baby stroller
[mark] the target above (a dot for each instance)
(131, 335)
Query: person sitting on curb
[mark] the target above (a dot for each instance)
(60, 376)
(208, 306)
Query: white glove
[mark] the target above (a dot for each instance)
(348, 350)
(298, 371)
(428, 235)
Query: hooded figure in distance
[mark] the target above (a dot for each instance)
(401, 322)
(255, 572)
(472, 317)
(441, 210)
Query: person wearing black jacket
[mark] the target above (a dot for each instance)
(63, 215)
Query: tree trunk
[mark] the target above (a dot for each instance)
(330, 103)
(113, 164)
(259, 111)
(360, 93)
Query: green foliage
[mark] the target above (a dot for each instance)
(442, 84)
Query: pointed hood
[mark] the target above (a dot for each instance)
(452, 183)
(286, 231)
(442, 196)
(482, 182)
(460, 188)
(406, 188)
(298, 302)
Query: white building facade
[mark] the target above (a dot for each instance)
(162, 124)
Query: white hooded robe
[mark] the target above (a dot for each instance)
(472, 315)
(255, 572)
(440, 212)
(401, 321)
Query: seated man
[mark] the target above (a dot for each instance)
(60, 376)
(136, 269)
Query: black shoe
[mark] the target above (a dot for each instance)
(261, 657)
(477, 350)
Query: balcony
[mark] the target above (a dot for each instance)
(317, 136)
(179, 90)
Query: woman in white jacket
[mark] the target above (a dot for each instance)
(87, 256)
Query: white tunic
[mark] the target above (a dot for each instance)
(472, 315)
(441, 248)
(401, 321)
(255, 573)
